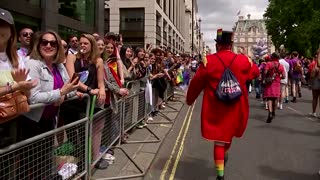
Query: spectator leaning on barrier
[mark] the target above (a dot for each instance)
(111, 37)
(89, 66)
(14, 76)
(54, 86)
(25, 36)
(112, 80)
(12, 69)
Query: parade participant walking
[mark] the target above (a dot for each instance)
(216, 126)
(273, 73)
(314, 83)
(296, 75)
(284, 82)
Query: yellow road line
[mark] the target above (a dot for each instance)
(166, 167)
(174, 169)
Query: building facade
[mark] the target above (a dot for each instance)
(160, 23)
(67, 17)
(249, 32)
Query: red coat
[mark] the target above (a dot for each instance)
(221, 121)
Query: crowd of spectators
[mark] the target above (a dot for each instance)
(47, 69)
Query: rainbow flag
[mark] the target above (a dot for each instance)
(179, 78)
(114, 66)
(219, 34)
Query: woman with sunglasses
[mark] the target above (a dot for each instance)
(45, 64)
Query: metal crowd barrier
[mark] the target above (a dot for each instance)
(43, 156)
(83, 142)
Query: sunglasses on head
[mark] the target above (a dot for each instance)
(46, 42)
(26, 34)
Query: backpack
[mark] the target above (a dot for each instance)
(297, 66)
(271, 74)
(228, 89)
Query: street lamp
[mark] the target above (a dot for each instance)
(199, 35)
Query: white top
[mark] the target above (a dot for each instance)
(72, 51)
(286, 68)
(6, 68)
(194, 63)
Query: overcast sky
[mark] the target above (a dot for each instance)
(217, 14)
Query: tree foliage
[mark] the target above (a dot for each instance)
(294, 23)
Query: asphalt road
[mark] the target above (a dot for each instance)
(286, 149)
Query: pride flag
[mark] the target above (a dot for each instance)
(179, 78)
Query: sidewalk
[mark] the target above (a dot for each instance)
(142, 153)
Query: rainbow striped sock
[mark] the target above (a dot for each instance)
(219, 159)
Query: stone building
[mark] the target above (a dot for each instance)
(160, 23)
(249, 32)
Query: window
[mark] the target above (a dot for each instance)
(81, 10)
(66, 32)
(22, 21)
(132, 19)
(34, 2)
(106, 20)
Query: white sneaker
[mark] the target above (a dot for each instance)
(281, 106)
(109, 157)
(313, 114)
(150, 118)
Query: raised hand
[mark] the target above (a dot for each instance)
(19, 74)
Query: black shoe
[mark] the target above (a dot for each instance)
(270, 117)
(273, 114)
(300, 95)
(294, 100)
(102, 164)
(258, 96)
(220, 178)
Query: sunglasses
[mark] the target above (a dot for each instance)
(26, 34)
(46, 42)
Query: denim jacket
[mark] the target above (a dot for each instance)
(43, 92)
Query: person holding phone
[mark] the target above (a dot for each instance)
(54, 86)
(88, 65)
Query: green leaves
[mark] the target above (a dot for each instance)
(294, 23)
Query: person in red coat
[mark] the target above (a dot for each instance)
(221, 121)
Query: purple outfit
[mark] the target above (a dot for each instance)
(295, 75)
(51, 110)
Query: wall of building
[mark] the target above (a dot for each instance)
(163, 19)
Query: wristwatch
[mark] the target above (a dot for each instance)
(89, 89)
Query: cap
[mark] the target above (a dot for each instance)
(6, 16)
(224, 37)
(110, 34)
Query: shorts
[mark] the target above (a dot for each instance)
(283, 87)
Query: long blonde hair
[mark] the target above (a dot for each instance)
(60, 56)
(94, 54)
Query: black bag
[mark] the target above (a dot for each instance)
(228, 89)
(271, 75)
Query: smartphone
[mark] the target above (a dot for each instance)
(74, 76)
